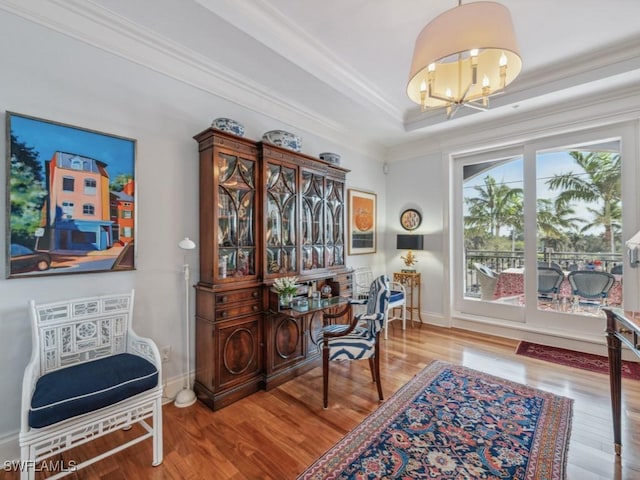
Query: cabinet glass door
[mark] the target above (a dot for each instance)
(236, 216)
(313, 227)
(334, 232)
(280, 225)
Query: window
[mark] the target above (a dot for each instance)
(90, 186)
(67, 209)
(76, 163)
(126, 214)
(88, 209)
(127, 232)
(68, 184)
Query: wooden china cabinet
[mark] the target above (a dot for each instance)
(265, 212)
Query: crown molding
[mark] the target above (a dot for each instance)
(614, 106)
(95, 25)
(275, 30)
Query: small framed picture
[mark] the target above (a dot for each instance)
(70, 199)
(362, 222)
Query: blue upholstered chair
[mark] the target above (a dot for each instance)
(397, 299)
(359, 340)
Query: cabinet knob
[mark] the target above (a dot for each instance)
(255, 308)
(223, 314)
(224, 299)
(255, 294)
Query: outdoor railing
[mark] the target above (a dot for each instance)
(499, 261)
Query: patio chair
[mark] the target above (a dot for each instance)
(591, 286)
(549, 281)
(487, 279)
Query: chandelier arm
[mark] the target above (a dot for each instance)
(476, 106)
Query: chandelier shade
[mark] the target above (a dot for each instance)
(464, 56)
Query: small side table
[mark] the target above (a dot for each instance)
(411, 281)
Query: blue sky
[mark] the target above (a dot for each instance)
(548, 164)
(46, 138)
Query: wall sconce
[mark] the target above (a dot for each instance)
(410, 242)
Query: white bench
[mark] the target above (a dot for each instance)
(89, 375)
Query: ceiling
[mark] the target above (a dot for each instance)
(342, 65)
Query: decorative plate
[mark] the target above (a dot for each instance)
(283, 139)
(228, 125)
(410, 219)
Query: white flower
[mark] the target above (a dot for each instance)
(285, 285)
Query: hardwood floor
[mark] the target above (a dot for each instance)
(277, 434)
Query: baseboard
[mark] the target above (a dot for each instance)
(9, 447)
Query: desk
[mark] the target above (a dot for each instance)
(511, 283)
(411, 281)
(292, 337)
(620, 329)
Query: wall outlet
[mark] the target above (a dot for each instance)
(165, 353)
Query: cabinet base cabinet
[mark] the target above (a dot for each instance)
(287, 352)
(228, 360)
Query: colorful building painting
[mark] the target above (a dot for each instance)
(77, 208)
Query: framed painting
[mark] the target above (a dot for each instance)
(362, 222)
(70, 199)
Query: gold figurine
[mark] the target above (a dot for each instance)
(410, 259)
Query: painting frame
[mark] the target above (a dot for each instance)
(70, 199)
(362, 222)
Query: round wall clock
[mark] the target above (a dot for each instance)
(410, 219)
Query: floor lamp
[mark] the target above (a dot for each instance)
(186, 397)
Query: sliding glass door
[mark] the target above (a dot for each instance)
(539, 228)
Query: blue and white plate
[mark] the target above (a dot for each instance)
(283, 139)
(228, 125)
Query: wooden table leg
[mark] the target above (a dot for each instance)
(615, 382)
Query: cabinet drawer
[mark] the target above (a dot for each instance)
(237, 296)
(234, 310)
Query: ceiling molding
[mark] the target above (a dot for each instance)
(90, 23)
(275, 30)
(615, 106)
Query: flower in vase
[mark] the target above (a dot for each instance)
(285, 285)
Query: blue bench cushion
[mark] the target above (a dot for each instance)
(89, 386)
(396, 295)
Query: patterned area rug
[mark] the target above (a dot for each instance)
(585, 361)
(452, 422)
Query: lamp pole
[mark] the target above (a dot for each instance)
(186, 397)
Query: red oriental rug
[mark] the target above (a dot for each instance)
(570, 358)
(451, 422)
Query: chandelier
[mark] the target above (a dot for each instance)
(463, 57)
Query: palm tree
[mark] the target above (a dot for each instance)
(554, 221)
(491, 209)
(600, 183)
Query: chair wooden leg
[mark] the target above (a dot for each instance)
(325, 375)
(376, 362)
(372, 367)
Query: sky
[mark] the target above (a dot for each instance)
(47, 137)
(548, 164)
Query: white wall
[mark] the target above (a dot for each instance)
(51, 76)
